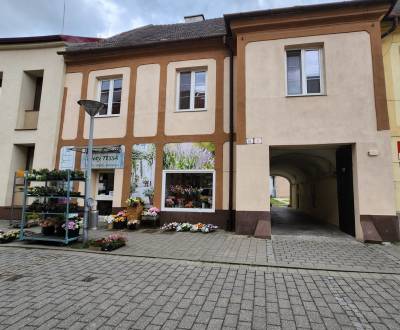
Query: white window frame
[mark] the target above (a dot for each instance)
(192, 89)
(303, 72)
(110, 96)
(176, 209)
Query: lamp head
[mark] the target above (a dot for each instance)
(91, 107)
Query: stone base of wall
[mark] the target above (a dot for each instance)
(219, 217)
(246, 223)
(380, 228)
(5, 213)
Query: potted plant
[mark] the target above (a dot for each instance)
(133, 224)
(109, 219)
(151, 215)
(9, 236)
(48, 227)
(110, 243)
(73, 224)
(120, 220)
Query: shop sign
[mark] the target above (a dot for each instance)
(104, 157)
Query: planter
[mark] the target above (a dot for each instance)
(119, 225)
(112, 246)
(71, 233)
(151, 220)
(48, 231)
(132, 226)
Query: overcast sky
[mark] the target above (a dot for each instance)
(104, 18)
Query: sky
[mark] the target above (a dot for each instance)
(104, 18)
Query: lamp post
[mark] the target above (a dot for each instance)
(92, 108)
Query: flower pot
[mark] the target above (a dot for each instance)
(119, 225)
(110, 226)
(132, 226)
(48, 231)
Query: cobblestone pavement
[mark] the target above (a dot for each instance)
(70, 290)
(315, 252)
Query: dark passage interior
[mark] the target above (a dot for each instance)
(321, 189)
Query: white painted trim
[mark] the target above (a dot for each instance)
(172, 209)
(303, 75)
(110, 97)
(192, 89)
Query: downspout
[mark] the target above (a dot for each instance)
(231, 223)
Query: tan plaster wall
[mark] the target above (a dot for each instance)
(13, 63)
(146, 100)
(73, 83)
(190, 122)
(115, 126)
(345, 115)
(252, 178)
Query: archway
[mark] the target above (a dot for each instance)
(316, 198)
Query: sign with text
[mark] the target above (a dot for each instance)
(106, 158)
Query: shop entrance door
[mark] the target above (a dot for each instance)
(105, 192)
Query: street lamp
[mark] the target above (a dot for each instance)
(92, 108)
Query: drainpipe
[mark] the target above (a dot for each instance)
(231, 223)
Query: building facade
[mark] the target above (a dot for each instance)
(391, 58)
(31, 90)
(200, 115)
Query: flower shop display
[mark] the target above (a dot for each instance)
(110, 243)
(48, 227)
(135, 208)
(198, 227)
(184, 227)
(133, 224)
(53, 203)
(45, 174)
(73, 224)
(151, 216)
(120, 220)
(170, 226)
(9, 236)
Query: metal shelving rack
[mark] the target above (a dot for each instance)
(30, 236)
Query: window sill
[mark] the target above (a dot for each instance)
(306, 95)
(25, 129)
(191, 110)
(172, 209)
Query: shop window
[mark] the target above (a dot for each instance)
(191, 89)
(188, 190)
(110, 94)
(304, 72)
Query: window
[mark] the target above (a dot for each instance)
(38, 93)
(304, 71)
(192, 90)
(1, 79)
(188, 190)
(110, 95)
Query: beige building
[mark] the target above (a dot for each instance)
(200, 114)
(31, 90)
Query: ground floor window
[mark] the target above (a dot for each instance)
(188, 190)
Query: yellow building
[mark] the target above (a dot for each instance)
(391, 58)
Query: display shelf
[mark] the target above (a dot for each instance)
(59, 217)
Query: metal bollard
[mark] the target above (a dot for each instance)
(93, 219)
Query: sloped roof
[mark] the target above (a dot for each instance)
(48, 38)
(154, 34)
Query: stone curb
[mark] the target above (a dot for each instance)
(270, 265)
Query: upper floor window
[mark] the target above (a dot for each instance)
(304, 71)
(192, 86)
(110, 94)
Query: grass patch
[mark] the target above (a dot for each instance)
(279, 201)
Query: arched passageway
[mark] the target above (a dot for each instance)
(321, 188)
